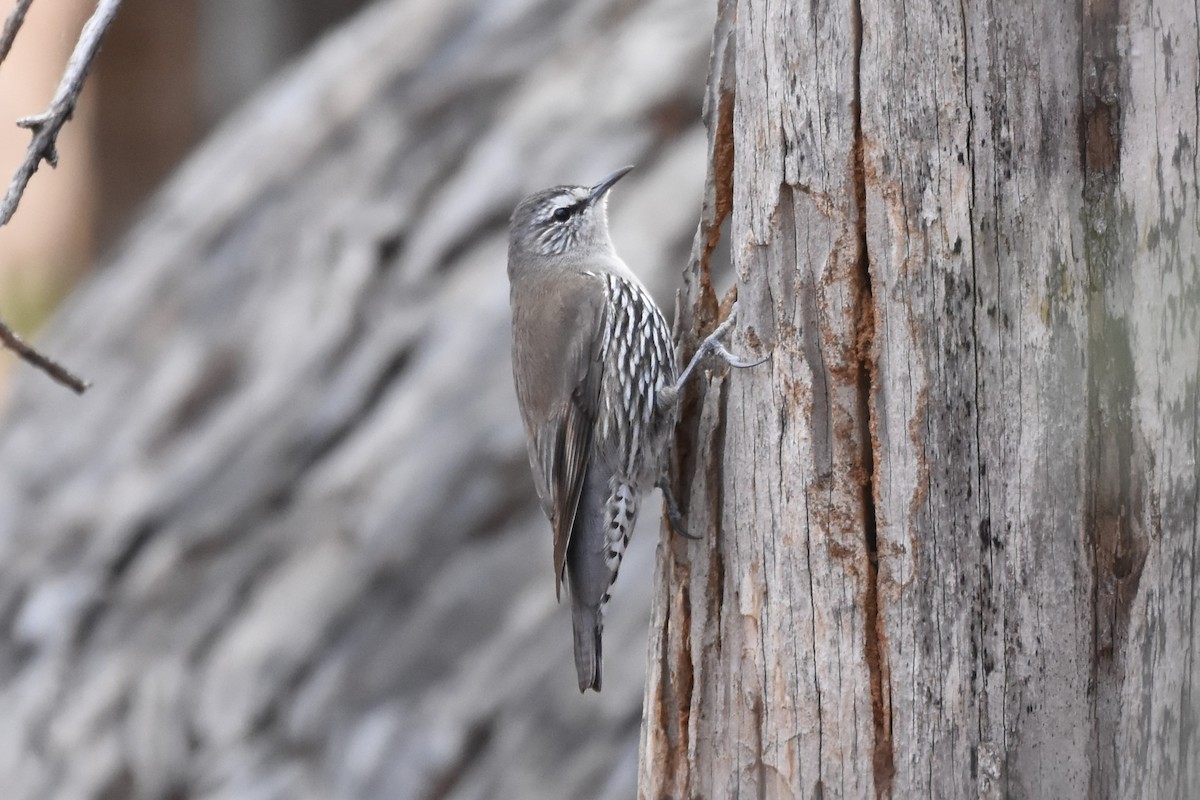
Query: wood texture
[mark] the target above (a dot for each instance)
(750, 699)
(951, 530)
(288, 546)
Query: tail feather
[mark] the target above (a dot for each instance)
(587, 625)
(592, 560)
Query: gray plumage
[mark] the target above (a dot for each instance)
(591, 352)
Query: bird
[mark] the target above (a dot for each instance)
(597, 385)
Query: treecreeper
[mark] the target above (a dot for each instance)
(597, 384)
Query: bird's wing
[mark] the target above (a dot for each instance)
(558, 371)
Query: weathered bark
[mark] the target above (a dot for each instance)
(951, 529)
(288, 546)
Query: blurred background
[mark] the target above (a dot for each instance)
(166, 76)
(287, 546)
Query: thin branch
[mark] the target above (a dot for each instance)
(10, 339)
(11, 25)
(45, 126)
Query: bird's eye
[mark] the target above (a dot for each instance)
(562, 214)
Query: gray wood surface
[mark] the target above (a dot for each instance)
(951, 530)
(287, 546)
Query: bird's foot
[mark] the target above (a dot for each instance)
(712, 346)
(673, 515)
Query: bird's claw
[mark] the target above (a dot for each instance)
(673, 515)
(712, 343)
(733, 361)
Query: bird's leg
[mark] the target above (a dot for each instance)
(712, 346)
(669, 395)
(673, 514)
(709, 345)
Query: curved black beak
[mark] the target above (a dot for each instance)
(603, 186)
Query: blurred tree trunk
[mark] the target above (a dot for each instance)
(950, 529)
(288, 547)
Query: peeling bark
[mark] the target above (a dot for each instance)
(952, 525)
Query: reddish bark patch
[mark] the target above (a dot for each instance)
(874, 639)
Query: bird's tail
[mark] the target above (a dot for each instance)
(587, 625)
(590, 574)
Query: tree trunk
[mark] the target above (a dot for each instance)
(950, 529)
(288, 545)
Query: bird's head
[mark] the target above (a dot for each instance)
(563, 223)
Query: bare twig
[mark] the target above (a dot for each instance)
(45, 126)
(11, 26)
(10, 339)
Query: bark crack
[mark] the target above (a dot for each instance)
(1116, 496)
(1186, 732)
(875, 643)
(813, 636)
(980, 621)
